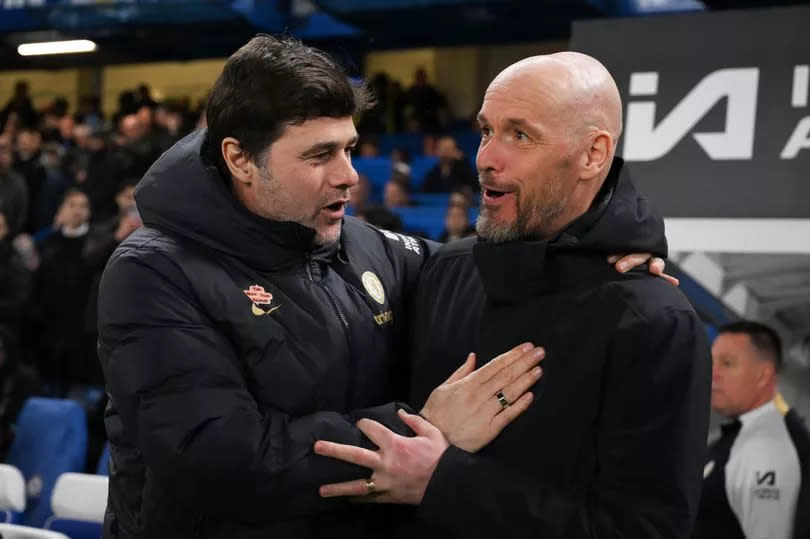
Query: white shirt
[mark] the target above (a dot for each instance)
(763, 475)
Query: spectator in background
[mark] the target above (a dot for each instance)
(21, 105)
(89, 112)
(27, 164)
(368, 148)
(13, 193)
(753, 475)
(143, 97)
(395, 194)
(15, 282)
(451, 172)
(359, 195)
(102, 240)
(457, 224)
(461, 198)
(60, 294)
(377, 119)
(18, 382)
(400, 155)
(426, 103)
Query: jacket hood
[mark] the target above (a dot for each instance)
(185, 195)
(621, 220)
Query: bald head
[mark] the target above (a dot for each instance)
(579, 88)
(549, 127)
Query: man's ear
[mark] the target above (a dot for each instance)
(597, 155)
(239, 164)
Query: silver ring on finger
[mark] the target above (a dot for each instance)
(502, 399)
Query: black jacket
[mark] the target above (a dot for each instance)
(229, 347)
(613, 444)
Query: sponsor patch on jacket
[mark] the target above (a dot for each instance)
(261, 300)
(384, 318)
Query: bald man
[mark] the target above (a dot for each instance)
(612, 444)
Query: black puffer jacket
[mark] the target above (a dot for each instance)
(229, 347)
(613, 444)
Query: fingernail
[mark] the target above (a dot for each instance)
(539, 353)
(537, 371)
(622, 266)
(526, 347)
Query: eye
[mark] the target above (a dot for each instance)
(350, 150)
(485, 132)
(324, 156)
(520, 135)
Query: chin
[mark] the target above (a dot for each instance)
(328, 234)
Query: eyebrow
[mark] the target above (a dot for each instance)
(513, 122)
(326, 147)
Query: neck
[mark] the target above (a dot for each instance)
(764, 398)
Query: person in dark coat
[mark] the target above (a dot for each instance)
(61, 288)
(452, 172)
(612, 445)
(18, 382)
(13, 192)
(248, 318)
(15, 283)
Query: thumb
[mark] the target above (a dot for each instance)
(464, 370)
(419, 425)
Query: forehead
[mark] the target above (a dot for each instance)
(76, 198)
(319, 130)
(529, 97)
(737, 344)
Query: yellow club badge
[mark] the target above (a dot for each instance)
(374, 287)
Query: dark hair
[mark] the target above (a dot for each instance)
(764, 338)
(73, 191)
(127, 182)
(272, 82)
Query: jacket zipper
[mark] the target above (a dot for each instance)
(329, 292)
(336, 304)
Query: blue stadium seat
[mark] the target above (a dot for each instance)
(104, 461)
(413, 143)
(468, 141)
(431, 199)
(378, 170)
(12, 494)
(420, 166)
(51, 439)
(78, 503)
(13, 531)
(423, 221)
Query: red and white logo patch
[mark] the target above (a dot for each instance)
(258, 296)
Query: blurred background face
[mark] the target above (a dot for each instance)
(3, 227)
(132, 128)
(456, 221)
(395, 195)
(5, 156)
(358, 195)
(446, 150)
(76, 210)
(28, 142)
(738, 374)
(125, 199)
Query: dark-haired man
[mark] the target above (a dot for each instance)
(753, 474)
